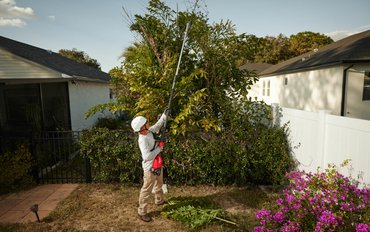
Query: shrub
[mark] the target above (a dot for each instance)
(248, 150)
(264, 158)
(15, 169)
(322, 201)
(113, 154)
(110, 123)
(269, 156)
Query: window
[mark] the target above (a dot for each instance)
(286, 81)
(266, 88)
(366, 92)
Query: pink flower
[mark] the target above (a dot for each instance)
(262, 214)
(362, 227)
(279, 217)
(259, 229)
(328, 217)
(318, 202)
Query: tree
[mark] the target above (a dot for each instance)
(253, 47)
(209, 75)
(307, 41)
(80, 56)
(273, 50)
(212, 122)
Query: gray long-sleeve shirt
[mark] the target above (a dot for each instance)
(147, 143)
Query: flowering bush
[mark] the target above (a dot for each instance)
(322, 201)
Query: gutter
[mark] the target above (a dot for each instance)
(309, 68)
(89, 79)
(344, 87)
(81, 78)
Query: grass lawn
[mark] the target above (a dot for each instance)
(113, 207)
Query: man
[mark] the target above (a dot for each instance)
(153, 179)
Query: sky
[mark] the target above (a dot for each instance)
(100, 28)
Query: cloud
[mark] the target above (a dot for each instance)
(13, 15)
(338, 35)
(366, 27)
(52, 17)
(12, 22)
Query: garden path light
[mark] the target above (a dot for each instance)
(35, 208)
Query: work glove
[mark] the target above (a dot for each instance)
(167, 112)
(160, 145)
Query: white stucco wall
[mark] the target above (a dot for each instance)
(83, 96)
(310, 90)
(317, 90)
(313, 90)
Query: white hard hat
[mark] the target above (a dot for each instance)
(137, 123)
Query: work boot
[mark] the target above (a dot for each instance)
(162, 203)
(145, 218)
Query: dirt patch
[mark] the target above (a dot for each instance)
(108, 207)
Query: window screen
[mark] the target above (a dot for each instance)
(36, 107)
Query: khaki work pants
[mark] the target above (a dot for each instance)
(151, 183)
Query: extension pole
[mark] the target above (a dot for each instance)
(174, 80)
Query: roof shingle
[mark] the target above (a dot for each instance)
(352, 49)
(53, 60)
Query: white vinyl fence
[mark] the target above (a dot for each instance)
(321, 139)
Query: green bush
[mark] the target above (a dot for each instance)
(15, 169)
(264, 159)
(110, 123)
(218, 160)
(269, 157)
(249, 150)
(113, 154)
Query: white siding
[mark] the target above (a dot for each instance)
(16, 68)
(317, 90)
(83, 96)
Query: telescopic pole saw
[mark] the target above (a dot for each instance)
(174, 81)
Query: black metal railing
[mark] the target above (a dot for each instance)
(56, 156)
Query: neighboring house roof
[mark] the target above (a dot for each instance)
(352, 49)
(53, 61)
(255, 67)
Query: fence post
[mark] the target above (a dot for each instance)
(88, 177)
(35, 166)
(276, 115)
(321, 136)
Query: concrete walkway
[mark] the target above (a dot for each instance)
(15, 207)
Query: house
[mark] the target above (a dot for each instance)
(335, 77)
(256, 67)
(42, 90)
